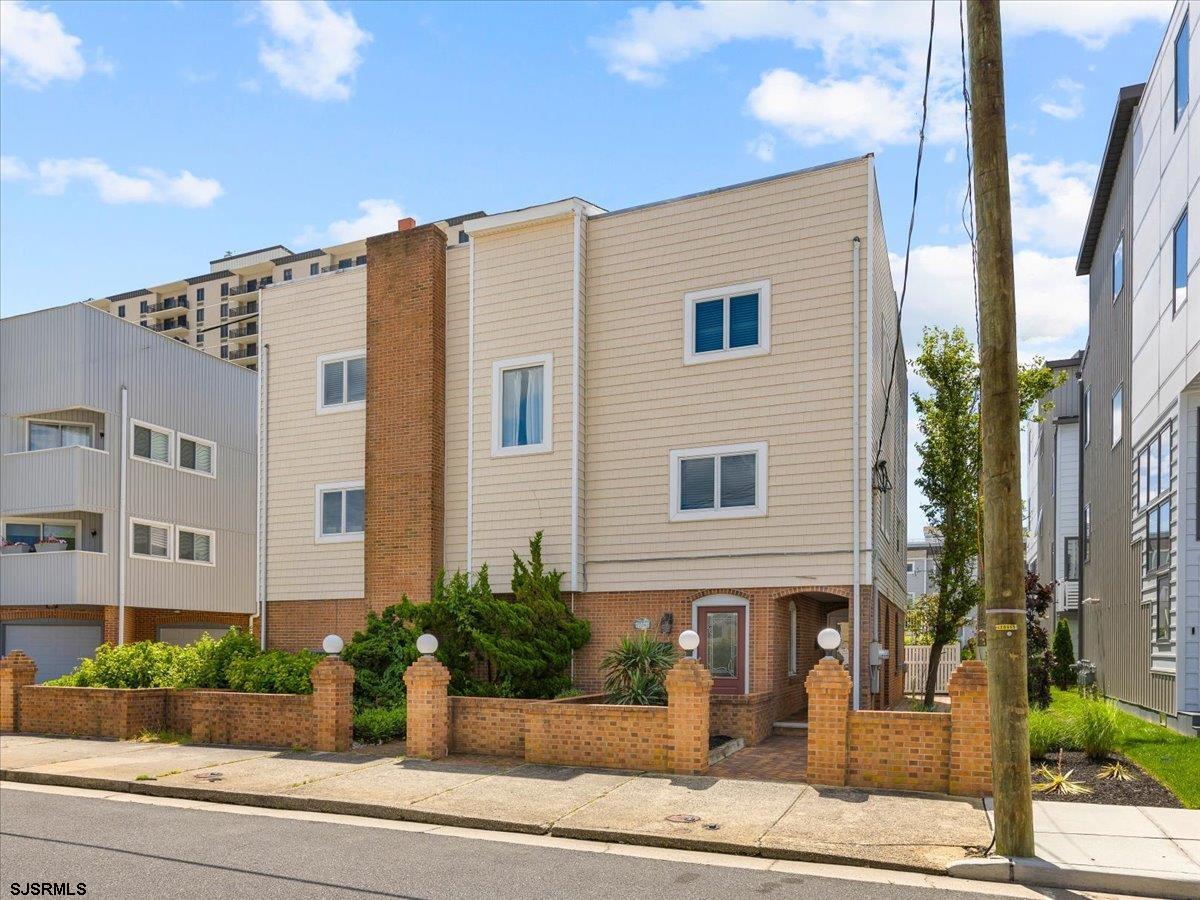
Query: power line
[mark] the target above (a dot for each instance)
(912, 218)
(968, 208)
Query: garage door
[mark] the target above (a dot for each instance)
(56, 649)
(189, 634)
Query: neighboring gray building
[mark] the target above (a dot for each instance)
(128, 467)
(921, 568)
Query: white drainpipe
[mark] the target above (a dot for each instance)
(261, 489)
(856, 541)
(122, 515)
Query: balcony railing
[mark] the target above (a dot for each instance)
(66, 577)
(244, 309)
(246, 353)
(248, 330)
(168, 325)
(167, 306)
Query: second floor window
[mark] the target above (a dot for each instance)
(48, 435)
(343, 380)
(150, 539)
(718, 482)
(152, 444)
(726, 323)
(340, 511)
(195, 546)
(1179, 265)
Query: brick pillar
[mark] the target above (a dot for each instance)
(332, 704)
(406, 414)
(689, 688)
(428, 709)
(16, 671)
(111, 627)
(828, 686)
(970, 731)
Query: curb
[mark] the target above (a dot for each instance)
(1031, 870)
(427, 817)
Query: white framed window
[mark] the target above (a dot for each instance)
(726, 482)
(792, 638)
(727, 322)
(1118, 420)
(196, 455)
(342, 381)
(150, 443)
(30, 531)
(195, 546)
(340, 511)
(50, 435)
(150, 540)
(522, 405)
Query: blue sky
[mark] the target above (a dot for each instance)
(141, 140)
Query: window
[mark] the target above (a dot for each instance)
(314, 269)
(196, 455)
(340, 511)
(287, 274)
(727, 323)
(145, 306)
(360, 260)
(1118, 267)
(345, 263)
(200, 337)
(224, 293)
(1158, 537)
(1179, 239)
(1181, 70)
(199, 316)
(1154, 468)
(341, 381)
(199, 295)
(1117, 419)
(30, 531)
(120, 312)
(224, 351)
(718, 482)
(1087, 418)
(224, 310)
(150, 539)
(522, 405)
(908, 567)
(49, 435)
(1071, 558)
(151, 443)
(195, 546)
(1087, 532)
(792, 638)
(1162, 609)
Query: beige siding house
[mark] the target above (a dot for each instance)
(687, 398)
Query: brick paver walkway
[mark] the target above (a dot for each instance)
(777, 758)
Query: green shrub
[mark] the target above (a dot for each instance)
(1095, 729)
(1063, 673)
(377, 724)
(142, 665)
(1047, 733)
(636, 671)
(213, 657)
(273, 672)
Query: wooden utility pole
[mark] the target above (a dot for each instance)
(1004, 575)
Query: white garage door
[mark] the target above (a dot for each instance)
(56, 649)
(189, 634)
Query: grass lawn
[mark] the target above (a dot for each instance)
(1167, 755)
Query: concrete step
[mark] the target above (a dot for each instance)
(790, 729)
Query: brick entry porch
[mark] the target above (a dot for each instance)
(777, 758)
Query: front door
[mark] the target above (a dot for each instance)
(723, 646)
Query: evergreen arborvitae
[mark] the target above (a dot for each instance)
(1064, 673)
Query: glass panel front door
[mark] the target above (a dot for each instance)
(723, 646)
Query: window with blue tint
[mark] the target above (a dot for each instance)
(697, 483)
(521, 406)
(743, 320)
(354, 510)
(738, 480)
(1179, 262)
(22, 533)
(341, 511)
(331, 512)
(1181, 70)
(710, 326)
(1118, 267)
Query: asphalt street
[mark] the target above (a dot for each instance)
(117, 848)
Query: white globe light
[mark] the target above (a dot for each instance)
(689, 640)
(427, 644)
(829, 639)
(332, 644)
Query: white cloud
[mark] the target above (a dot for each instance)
(1050, 201)
(1065, 102)
(313, 50)
(762, 147)
(378, 216)
(54, 176)
(35, 48)
(1089, 22)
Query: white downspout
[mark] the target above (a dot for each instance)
(261, 524)
(122, 515)
(856, 487)
(470, 404)
(576, 334)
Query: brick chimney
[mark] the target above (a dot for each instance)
(406, 224)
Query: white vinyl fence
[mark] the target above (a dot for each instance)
(917, 669)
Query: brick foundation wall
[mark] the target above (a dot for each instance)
(406, 414)
(303, 624)
(606, 736)
(900, 750)
(248, 720)
(113, 713)
(746, 716)
(488, 725)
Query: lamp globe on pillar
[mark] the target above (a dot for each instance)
(427, 644)
(689, 641)
(828, 639)
(332, 644)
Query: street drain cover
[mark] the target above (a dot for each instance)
(683, 817)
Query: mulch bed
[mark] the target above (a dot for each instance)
(1145, 791)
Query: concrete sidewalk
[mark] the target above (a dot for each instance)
(922, 833)
(1141, 850)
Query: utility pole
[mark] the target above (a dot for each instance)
(1004, 575)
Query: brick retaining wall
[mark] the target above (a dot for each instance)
(901, 750)
(746, 716)
(603, 735)
(488, 725)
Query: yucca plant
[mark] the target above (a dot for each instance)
(1057, 781)
(1116, 771)
(636, 671)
